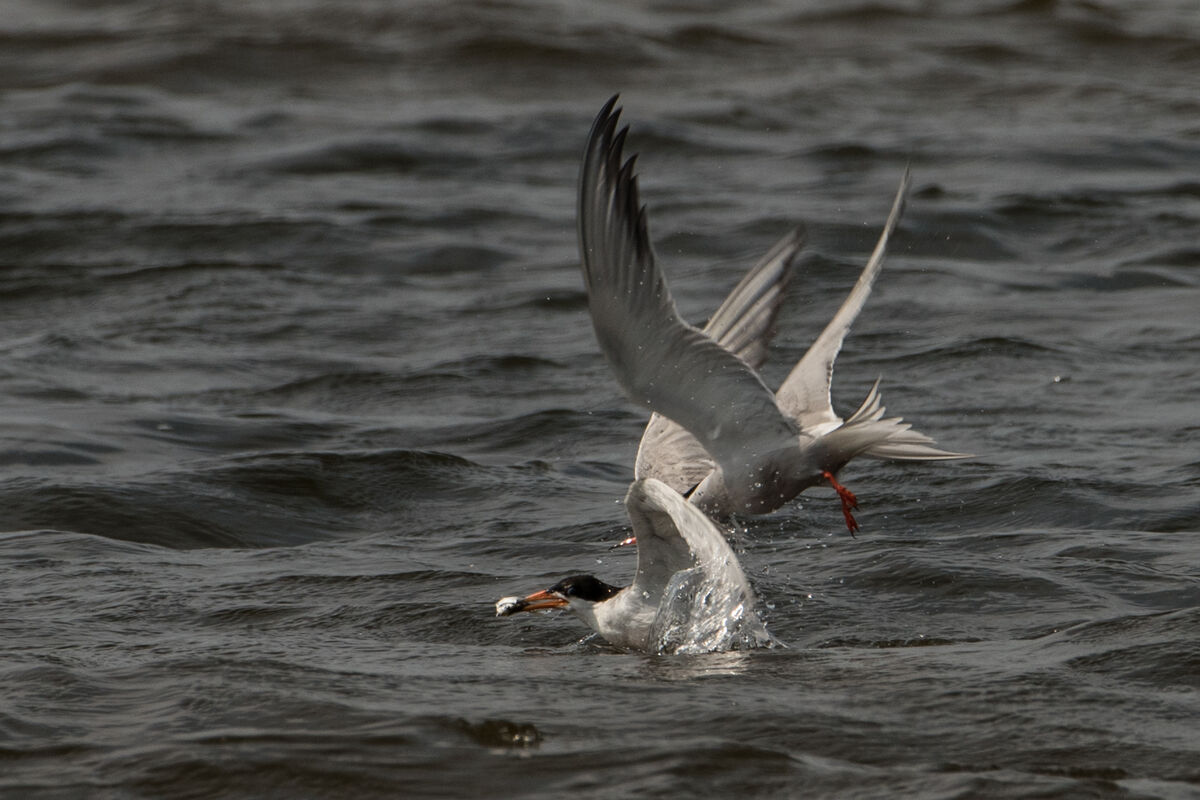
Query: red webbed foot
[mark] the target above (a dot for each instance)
(849, 501)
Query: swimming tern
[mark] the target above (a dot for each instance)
(689, 593)
(720, 435)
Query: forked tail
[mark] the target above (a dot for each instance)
(867, 433)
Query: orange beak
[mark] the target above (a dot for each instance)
(539, 601)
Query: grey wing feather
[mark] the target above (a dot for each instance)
(672, 455)
(805, 393)
(660, 361)
(744, 325)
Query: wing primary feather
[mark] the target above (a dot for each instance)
(661, 361)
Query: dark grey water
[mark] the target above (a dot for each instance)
(296, 379)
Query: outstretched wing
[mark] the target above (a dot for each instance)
(744, 325)
(661, 362)
(805, 393)
(673, 535)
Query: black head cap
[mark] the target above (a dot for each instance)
(585, 587)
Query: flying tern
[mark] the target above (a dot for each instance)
(717, 433)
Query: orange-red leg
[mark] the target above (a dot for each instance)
(849, 501)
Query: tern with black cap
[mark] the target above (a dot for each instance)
(688, 592)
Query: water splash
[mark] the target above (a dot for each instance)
(701, 613)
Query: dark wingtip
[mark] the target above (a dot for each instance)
(606, 120)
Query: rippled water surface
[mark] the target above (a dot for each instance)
(297, 379)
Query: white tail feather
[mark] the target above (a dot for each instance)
(867, 433)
